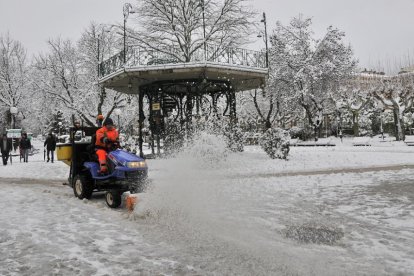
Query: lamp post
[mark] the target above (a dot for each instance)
(127, 11)
(13, 112)
(204, 30)
(98, 56)
(381, 126)
(118, 112)
(60, 127)
(264, 21)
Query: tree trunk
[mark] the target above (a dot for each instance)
(355, 123)
(398, 125)
(316, 130)
(402, 129)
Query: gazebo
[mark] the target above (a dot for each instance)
(186, 86)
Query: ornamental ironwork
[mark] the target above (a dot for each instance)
(137, 56)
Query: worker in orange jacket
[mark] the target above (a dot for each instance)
(106, 139)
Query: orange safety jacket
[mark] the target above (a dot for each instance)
(103, 132)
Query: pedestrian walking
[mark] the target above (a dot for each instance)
(50, 145)
(25, 147)
(6, 147)
(15, 144)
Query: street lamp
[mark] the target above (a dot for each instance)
(265, 29)
(204, 30)
(60, 127)
(127, 11)
(13, 112)
(99, 39)
(118, 112)
(98, 57)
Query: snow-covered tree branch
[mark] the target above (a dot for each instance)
(178, 27)
(310, 67)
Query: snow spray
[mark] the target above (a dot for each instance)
(192, 201)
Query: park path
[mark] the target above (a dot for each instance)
(205, 224)
(57, 182)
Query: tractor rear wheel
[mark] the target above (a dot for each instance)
(82, 187)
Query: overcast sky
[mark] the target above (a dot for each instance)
(380, 31)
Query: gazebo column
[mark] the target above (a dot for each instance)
(198, 105)
(151, 123)
(189, 111)
(214, 105)
(140, 121)
(158, 119)
(232, 106)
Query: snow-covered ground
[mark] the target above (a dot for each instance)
(36, 168)
(251, 162)
(219, 213)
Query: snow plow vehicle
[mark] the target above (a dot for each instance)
(126, 171)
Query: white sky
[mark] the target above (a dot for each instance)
(380, 31)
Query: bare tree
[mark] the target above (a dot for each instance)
(66, 76)
(397, 94)
(13, 72)
(352, 98)
(273, 105)
(181, 27)
(96, 43)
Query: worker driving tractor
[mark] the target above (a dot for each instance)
(106, 140)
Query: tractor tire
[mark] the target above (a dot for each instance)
(113, 199)
(82, 187)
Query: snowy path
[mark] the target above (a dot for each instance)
(245, 221)
(326, 171)
(220, 214)
(44, 230)
(241, 231)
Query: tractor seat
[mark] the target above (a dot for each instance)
(91, 150)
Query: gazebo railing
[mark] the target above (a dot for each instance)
(139, 56)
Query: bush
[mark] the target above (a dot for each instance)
(234, 137)
(301, 133)
(275, 142)
(296, 132)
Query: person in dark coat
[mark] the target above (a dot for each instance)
(25, 147)
(50, 145)
(6, 148)
(15, 144)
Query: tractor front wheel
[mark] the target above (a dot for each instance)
(113, 199)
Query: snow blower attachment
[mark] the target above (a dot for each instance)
(126, 171)
(131, 201)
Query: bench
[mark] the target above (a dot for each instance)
(409, 140)
(361, 141)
